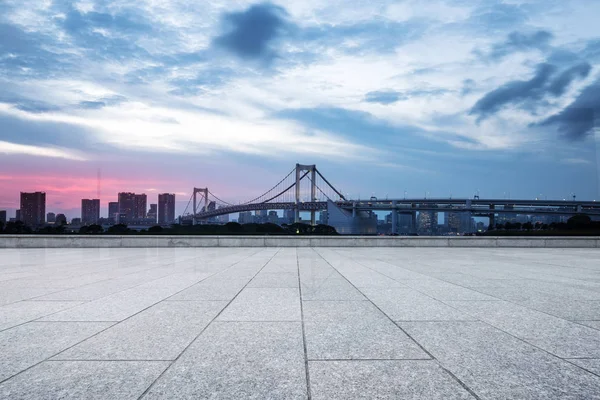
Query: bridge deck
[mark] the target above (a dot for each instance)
(235, 323)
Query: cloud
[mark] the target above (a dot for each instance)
(519, 42)
(560, 84)
(580, 117)
(514, 92)
(252, 32)
(14, 148)
(383, 97)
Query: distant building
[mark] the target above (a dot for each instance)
(261, 216)
(90, 211)
(50, 218)
(17, 215)
(427, 222)
(323, 217)
(246, 217)
(33, 208)
(61, 219)
(273, 217)
(3, 216)
(113, 209)
(289, 216)
(153, 212)
(166, 208)
(131, 206)
(76, 221)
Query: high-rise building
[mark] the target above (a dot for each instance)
(17, 215)
(113, 210)
(427, 222)
(166, 208)
(273, 217)
(246, 217)
(3, 216)
(153, 212)
(140, 206)
(132, 206)
(51, 218)
(90, 211)
(33, 208)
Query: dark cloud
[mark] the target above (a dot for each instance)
(526, 93)
(560, 84)
(518, 42)
(383, 97)
(252, 32)
(514, 92)
(579, 119)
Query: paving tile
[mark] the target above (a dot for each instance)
(213, 289)
(274, 280)
(496, 365)
(589, 364)
(326, 284)
(560, 337)
(264, 304)
(239, 360)
(161, 332)
(593, 324)
(25, 311)
(446, 291)
(347, 380)
(91, 380)
(404, 304)
(338, 330)
(26, 345)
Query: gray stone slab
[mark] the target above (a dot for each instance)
(161, 332)
(264, 304)
(347, 380)
(404, 304)
(26, 345)
(589, 364)
(213, 289)
(337, 330)
(93, 380)
(496, 365)
(560, 337)
(445, 291)
(274, 280)
(593, 324)
(25, 311)
(239, 360)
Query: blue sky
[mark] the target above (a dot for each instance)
(445, 96)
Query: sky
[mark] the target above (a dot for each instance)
(388, 98)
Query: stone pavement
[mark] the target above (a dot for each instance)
(298, 323)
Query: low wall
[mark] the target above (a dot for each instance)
(83, 241)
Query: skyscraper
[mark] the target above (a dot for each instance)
(90, 211)
(33, 208)
(132, 206)
(166, 208)
(3, 216)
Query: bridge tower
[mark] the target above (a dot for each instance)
(204, 193)
(312, 169)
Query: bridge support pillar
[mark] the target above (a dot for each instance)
(204, 193)
(413, 222)
(394, 218)
(492, 216)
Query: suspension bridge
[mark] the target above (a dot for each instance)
(305, 189)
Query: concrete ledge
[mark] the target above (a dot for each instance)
(83, 241)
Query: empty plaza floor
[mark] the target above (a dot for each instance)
(300, 323)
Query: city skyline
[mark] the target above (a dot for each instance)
(444, 97)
